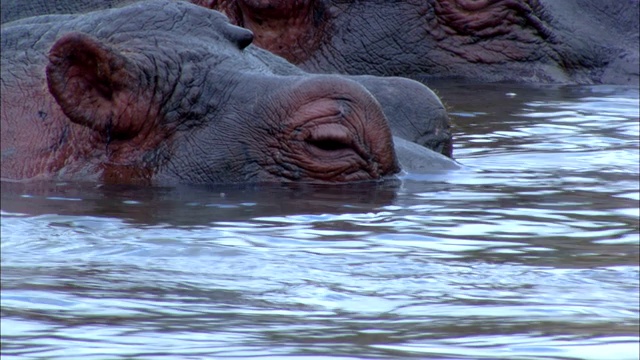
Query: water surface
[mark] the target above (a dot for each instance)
(530, 252)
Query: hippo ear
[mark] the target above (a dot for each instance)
(92, 83)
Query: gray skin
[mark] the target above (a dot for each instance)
(18, 9)
(531, 41)
(167, 92)
(414, 112)
(537, 41)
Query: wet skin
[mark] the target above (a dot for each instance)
(137, 95)
(535, 41)
(547, 41)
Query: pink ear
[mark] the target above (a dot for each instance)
(88, 80)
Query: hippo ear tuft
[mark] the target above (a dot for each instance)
(88, 78)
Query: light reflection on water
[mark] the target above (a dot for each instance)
(529, 253)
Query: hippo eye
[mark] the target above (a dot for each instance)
(330, 137)
(328, 144)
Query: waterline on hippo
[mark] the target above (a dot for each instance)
(166, 92)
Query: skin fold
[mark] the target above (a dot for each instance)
(527, 41)
(165, 92)
(541, 41)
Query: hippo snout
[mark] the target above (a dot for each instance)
(333, 131)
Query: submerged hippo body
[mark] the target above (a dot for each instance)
(167, 92)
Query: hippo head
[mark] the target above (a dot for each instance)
(167, 93)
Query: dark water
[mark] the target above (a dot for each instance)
(529, 253)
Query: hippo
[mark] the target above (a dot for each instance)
(535, 41)
(415, 113)
(164, 92)
(526, 41)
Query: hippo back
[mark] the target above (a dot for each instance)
(11, 10)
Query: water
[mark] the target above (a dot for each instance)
(531, 252)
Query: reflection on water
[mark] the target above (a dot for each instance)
(531, 252)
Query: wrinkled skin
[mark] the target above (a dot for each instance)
(135, 95)
(414, 112)
(119, 140)
(542, 41)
